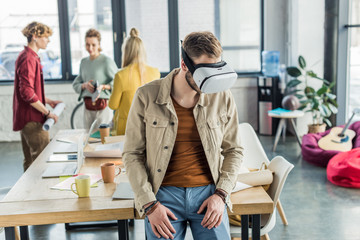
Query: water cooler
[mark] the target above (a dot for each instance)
(269, 97)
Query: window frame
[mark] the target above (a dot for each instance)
(342, 88)
(244, 74)
(119, 33)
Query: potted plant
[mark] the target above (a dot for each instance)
(321, 102)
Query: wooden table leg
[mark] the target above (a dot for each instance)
(123, 229)
(244, 227)
(10, 233)
(17, 235)
(281, 212)
(255, 227)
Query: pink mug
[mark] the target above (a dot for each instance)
(108, 172)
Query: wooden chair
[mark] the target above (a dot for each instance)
(281, 169)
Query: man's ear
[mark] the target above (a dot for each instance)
(183, 65)
(34, 38)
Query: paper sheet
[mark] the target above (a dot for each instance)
(73, 138)
(66, 184)
(252, 179)
(110, 146)
(240, 186)
(57, 111)
(112, 139)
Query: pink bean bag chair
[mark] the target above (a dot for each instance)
(312, 153)
(344, 169)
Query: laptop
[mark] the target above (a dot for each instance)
(90, 132)
(72, 168)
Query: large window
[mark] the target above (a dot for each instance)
(354, 60)
(86, 14)
(189, 16)
(162, 23)
(153, 28)
(15, 15)
(240, 34)
(236, 23)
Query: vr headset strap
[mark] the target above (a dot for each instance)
(188, 62)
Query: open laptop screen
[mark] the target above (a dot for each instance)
(90, 132)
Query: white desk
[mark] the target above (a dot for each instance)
(32, 202)
(282, 125)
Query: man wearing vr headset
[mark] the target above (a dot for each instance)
(182, 154)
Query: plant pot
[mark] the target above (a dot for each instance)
(316, 128)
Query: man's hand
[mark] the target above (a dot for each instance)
(88, 86)
(160, 223)
(53, 116)
(214, 213)
(53, 103)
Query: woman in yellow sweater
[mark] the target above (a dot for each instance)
(134, 73)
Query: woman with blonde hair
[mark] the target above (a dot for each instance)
(95, 77)
(29, 101)
(134, 73)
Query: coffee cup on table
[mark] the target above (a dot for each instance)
(108, 172)
(82, 184)
(104, 129)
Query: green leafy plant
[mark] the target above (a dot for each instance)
(321, 102)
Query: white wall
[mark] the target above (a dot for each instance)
(63, 92)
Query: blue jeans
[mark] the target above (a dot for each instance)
(184, 203)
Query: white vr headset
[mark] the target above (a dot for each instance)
(210, 77)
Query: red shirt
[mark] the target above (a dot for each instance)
(28, 88)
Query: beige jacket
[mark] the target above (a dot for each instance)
(151, 132)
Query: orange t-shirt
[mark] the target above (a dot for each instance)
(188, 166)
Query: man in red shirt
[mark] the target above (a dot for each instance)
(29, 111)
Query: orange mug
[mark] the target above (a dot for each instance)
(108, 172)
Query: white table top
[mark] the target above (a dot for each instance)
(291, 114)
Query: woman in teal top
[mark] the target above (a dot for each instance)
(97, 69)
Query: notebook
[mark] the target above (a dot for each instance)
(69, 169)
(63, 147)
(110, 150)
